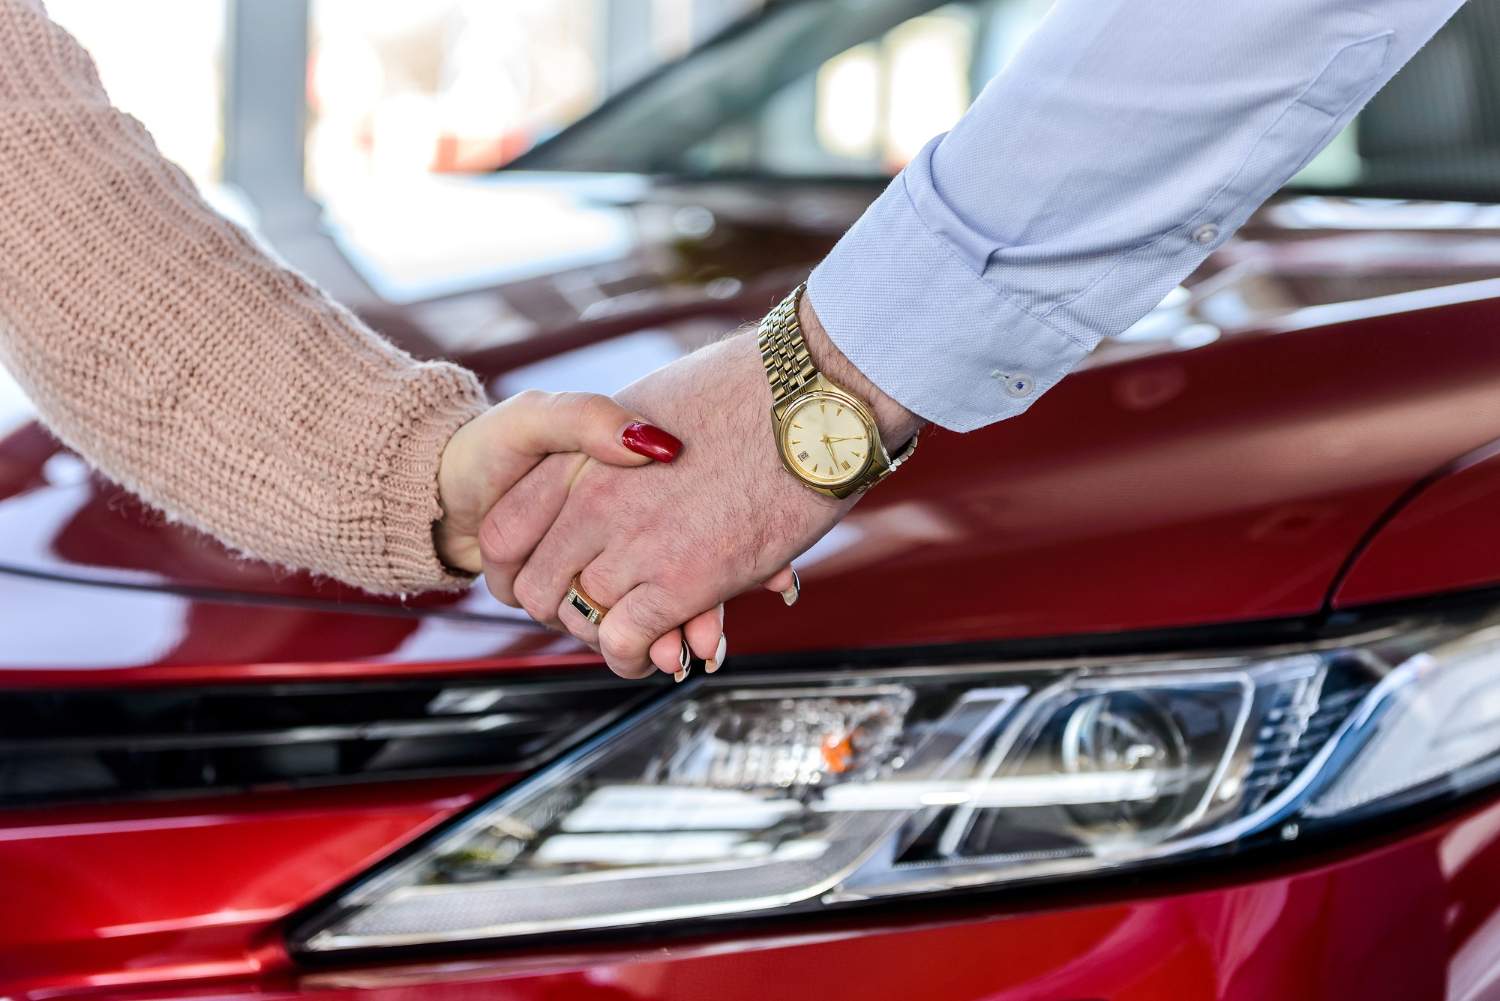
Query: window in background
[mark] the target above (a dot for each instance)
(878, 103)
(162, 62)
(852, 88)
(928, 62)
(398, 88)
(411, 106)
(871, 108)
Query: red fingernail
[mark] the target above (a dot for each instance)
(650, 441)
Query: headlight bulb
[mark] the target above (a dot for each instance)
(1121, 732)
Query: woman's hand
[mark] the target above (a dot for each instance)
(488, 455)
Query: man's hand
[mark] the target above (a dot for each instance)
(660, 545)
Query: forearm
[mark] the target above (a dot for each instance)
(1125, 142)
(161, 343)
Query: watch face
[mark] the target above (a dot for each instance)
(826, 439)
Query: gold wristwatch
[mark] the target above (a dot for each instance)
(826, 435)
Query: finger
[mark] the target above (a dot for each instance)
(786, 583)
(590, 423)
(633, 625)
(542, 591)
(705, 636)
(675, 654)
(601, 589)
(513, 527)
(670, 655)
(573, 621)
(671, 644)
(542, 584)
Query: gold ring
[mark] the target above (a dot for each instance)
(586, 606)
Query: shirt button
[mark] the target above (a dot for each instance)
(1017, 384)
(1205, 234)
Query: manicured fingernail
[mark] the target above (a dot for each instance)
(791, 594)
(685, 660)
(718, 658)
(650, 441)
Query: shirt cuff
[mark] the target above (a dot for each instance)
(937, 338)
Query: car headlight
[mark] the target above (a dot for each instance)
(755, 793)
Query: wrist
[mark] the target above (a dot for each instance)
(456, 543)
(896, 423)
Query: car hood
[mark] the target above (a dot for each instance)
(1218, 463)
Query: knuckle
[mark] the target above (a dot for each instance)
(599, 579)
(533, 602)
(611, 634)
(570, 402)
(526, 399)
(620, 640)
(495, 544)
(653, 615)
(596, 409)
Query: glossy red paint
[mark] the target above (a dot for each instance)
(1445, 538)
(1324, 929)
(122, 894)
(106, 635)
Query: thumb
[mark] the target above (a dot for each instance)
(586, 422)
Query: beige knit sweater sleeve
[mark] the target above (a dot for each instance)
(158, 341)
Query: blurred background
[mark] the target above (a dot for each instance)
(355, 107)
(361, 138)
(392, 87)
(360, 119)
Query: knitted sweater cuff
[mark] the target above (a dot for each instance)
(435, 401)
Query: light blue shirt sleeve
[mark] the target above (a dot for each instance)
(1125, 141)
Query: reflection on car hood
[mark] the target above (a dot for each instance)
(1217, 463)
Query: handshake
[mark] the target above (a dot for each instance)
(543, 489)
(546, 492)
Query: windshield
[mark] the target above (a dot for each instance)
(854, 88)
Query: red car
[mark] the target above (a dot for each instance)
(1185, 685)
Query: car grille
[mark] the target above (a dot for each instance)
(95, 745)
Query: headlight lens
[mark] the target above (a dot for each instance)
(751, 794)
